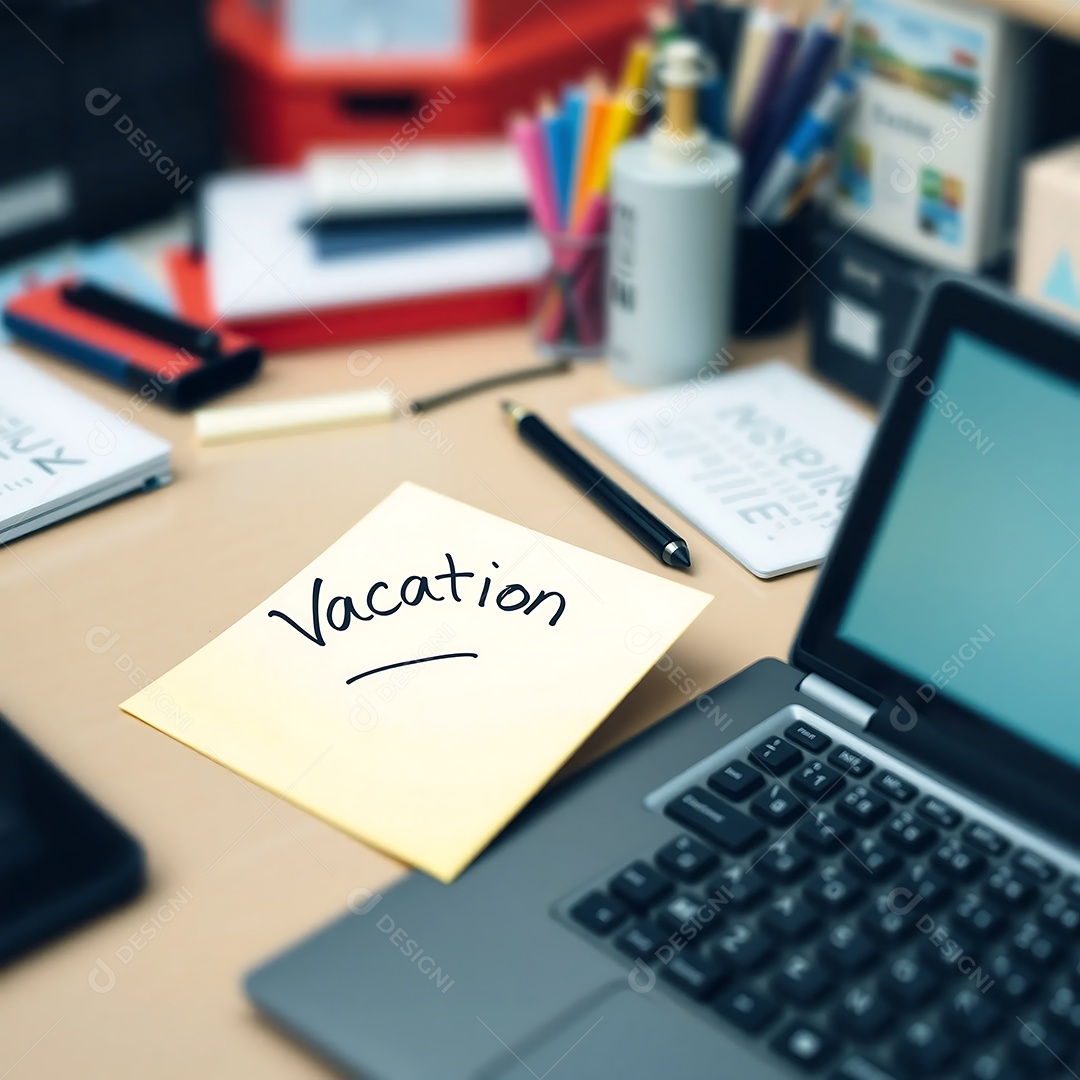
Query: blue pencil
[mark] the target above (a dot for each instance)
(558, 132)
(575, 106)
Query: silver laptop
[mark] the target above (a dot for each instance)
(862, 864)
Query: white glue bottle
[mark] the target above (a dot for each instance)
(674, 196)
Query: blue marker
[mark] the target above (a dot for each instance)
(815, 131)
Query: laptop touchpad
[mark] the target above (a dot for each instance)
(617, 1031)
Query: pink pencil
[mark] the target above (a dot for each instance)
(528, 136)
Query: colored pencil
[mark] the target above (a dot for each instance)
(590, 149)
(558, 133)
(819, 169)
(809, 73)
(761, 28)
(774, 70)
(528, 136)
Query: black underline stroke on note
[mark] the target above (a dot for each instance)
(409, 663)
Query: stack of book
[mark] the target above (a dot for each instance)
(366, 244)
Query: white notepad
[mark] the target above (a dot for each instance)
(61, 453)
(763, 461)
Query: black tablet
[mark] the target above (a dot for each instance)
(952, 592)
(62, 859)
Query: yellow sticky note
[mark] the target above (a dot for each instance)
(425, 676)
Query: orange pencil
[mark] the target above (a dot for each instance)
(593, 140)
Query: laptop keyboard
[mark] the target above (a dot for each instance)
(852, 915)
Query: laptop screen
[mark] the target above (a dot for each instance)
(971, 585)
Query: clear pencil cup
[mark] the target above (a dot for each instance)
(570, 315)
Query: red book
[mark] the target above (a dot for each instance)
(339, 326)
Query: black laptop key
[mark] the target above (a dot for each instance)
(736, 780)
(808, 737)
(833, 889)
(1012, 978)
(896, 787)
(599, 913)
(992, 1067)
(1010, 888)
(857, 1067)
(824, 831)
(851, 763)
(714, 819)
(816, 780)
(982, 836)
(939, 813)
(694, 972)
(789, 917)
(958, 860)
(687, 859)
(887, 919)
(909, 981)
(806, 1046)
(1038, 1051)
(785, 861)
(979, 917)
(861, 806)
(778, 806)
(847, 948)
(873, 857)
(642, 941)
(1033, 945)
(742, 886)
(1061, 913)
(1063, 1011)
(1034, 866)
(905, 830)
(743, 947)
(864, 1013)
(921, 890)
(747, 1008)
(946, 949)
(687, 916)
(777, 755)
(802, 980)
(925, 1049)
(640, 886)
(969, 1013)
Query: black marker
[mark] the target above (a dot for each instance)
(617, 503)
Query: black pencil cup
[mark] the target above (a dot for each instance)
(771, 275)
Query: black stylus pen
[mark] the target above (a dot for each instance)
(616, 502)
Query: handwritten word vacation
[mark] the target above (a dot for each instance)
(381, 600)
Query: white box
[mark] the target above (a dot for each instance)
(1048, 247)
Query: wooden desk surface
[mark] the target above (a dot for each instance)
(154, 989)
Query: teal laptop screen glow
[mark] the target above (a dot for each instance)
(972, 584)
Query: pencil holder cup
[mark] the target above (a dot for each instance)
(772, 275)
(570, 315)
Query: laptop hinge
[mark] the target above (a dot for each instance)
(854, 708)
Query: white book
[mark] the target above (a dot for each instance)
(763, 461)
(262, 261)
(62, 453)
(479, 175)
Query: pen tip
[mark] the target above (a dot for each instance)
(507, 406)
(678, 557)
